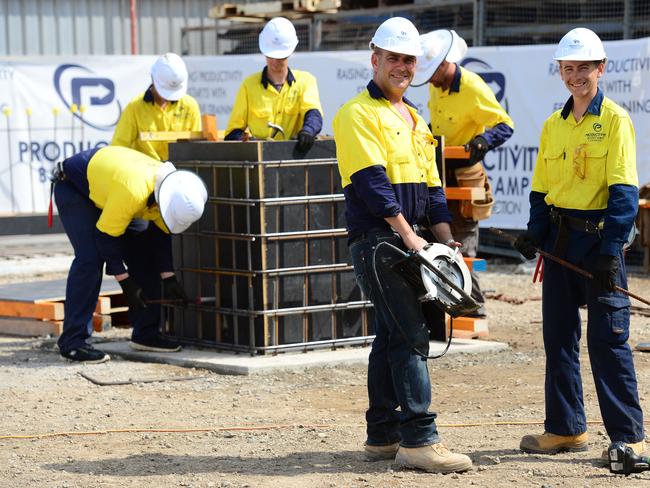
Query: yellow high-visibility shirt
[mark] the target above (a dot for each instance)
(141, 115)
(120, 182)
(255, 106)
(578, 161)
(369, 131)
(462, 115)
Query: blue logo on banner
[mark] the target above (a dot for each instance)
(494, 79)
(78, 85)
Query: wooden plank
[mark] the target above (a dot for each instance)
(465, 193)
(47, 311)
(29, 327)
(209, 127)
(103, 305)
(468, 334)
(48, 290)
(101, 322)
(455, 152)
(470, 323)
(171, 136)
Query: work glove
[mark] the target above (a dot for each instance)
(478, 148)
(172, 290)
(605, 272)
(305, 141)
(133, 294)
(526, 245)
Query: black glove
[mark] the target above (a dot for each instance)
(133, 294)
(172, 290)
(305, 141)
(526, 245)
(478, 148)
(605, 272)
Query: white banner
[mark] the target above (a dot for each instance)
(52, 107)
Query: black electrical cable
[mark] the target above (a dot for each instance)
(399, 326)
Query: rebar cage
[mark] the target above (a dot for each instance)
(269, 256)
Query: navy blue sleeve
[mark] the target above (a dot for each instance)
(375, 189)
(539, 216)
(110, 250)
(313, 122)
(498, 134)
(622, 206)
(438, 211)
(161, 245)
(234, 135)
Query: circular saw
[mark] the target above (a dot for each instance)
(446, 280)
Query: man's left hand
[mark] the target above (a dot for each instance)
(305, 141)
(605, 272)
(478, 148)
(172, 290)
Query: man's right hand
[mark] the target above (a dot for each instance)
(133, 294)
(526, 245)
(414, 242)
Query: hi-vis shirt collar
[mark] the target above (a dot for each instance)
(593, 108)
(455, 83)
(375, 92)
(148, 96)
(266, 81)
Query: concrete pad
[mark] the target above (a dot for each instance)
(244, 364)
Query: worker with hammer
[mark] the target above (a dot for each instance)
(277, 103)
(98, 193)
(463, 109)
(583, 201)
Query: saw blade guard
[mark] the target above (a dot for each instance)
(446, 279)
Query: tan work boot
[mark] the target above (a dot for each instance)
(548, 443)
(379, 453)
(435, 458)
(640, 449)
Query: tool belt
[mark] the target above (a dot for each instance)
(475, 176)
(574, 223)
(565, 223)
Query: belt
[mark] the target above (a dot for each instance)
(575, 223)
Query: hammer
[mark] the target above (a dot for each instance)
(274, 130)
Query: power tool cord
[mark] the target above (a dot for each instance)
(390, 311)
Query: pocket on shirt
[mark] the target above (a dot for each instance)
(596, 164)
(554, 158)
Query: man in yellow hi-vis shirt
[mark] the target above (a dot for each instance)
(164, 107)
(386, 157)
(583, 200)
(463, 108)
(278, 103)
(98, 193)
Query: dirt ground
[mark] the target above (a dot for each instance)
(295, 429)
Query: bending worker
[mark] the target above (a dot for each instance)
(583, 201)
(164, 107)
(98, 193)
(465, 111)
(278, 103)
(386, 157)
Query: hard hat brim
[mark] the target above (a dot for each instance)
(174, 180)
(171, 95)
(453, 49)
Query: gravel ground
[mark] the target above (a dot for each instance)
(295, 429)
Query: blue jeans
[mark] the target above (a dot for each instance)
(564, 291)
(79, 217)
(397, 376)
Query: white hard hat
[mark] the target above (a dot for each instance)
(181, 197)
(278, 39)
(437, 46)
(397, 35)
(580, 44)
(169, 76)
